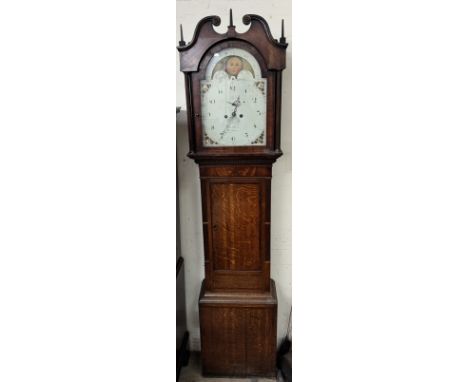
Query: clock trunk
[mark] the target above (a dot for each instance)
(236, 225)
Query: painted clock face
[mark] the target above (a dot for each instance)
(233, 95)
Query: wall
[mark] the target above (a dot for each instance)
(189, 12)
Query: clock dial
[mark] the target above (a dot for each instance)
(233, 96)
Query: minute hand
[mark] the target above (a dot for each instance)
(236, 104)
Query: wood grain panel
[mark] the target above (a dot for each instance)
(221, 328)
(235, 171)
(238, 280)
(238, 333)
(235, 220)
(260, 349)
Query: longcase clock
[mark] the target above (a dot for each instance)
(233, 92)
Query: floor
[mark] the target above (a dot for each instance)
(192, 373)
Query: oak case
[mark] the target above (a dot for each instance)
(238, 304)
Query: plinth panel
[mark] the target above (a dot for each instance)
(238, 334)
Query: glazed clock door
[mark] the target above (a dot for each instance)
(233, 100)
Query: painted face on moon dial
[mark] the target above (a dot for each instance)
(233, 66)
(233, 97)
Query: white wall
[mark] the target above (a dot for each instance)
(189, 12)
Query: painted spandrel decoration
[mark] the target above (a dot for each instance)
(233, 96)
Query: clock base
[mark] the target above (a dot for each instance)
(238, 333)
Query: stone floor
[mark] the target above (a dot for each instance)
(192, 373)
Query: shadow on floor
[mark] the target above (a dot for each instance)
(192, 373)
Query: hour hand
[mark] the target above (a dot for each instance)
(236, 103)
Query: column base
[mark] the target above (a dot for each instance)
(238, 333)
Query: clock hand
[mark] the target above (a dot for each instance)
(233, 114)
(235, 111)
(236, 104)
